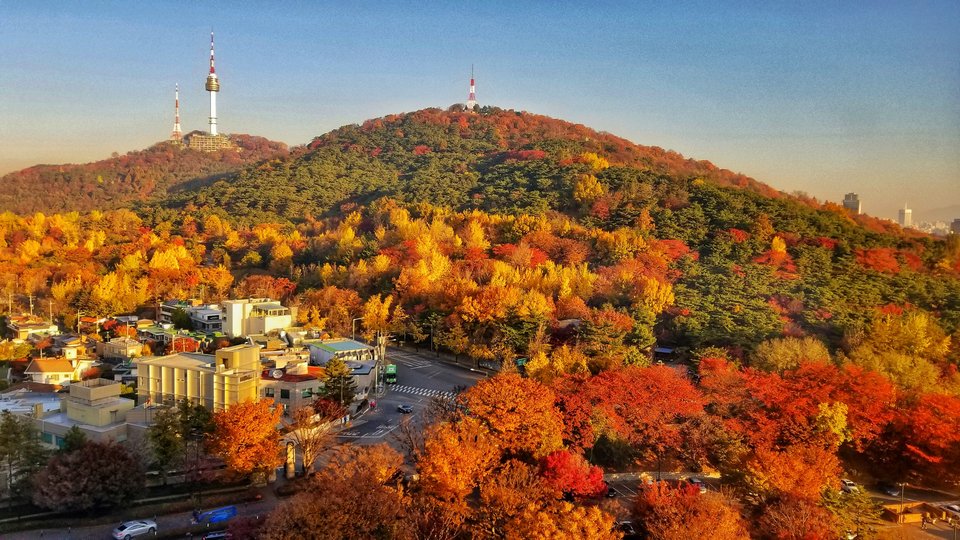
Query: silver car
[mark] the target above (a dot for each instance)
(129, 529)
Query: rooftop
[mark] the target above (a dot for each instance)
(49, 365)
(337, 345)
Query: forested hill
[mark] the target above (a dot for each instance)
(497, 160)
(120, 180)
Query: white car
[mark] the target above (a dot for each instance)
(849, 486)
(129, 529)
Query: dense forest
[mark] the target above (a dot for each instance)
(120, 180)
(813, 341)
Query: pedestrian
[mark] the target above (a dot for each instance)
(923, 521)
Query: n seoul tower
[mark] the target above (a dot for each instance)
(213, 86)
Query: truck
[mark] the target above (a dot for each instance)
(390, 374)
(217, 515)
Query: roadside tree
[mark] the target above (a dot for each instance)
(245, 437)
(98, 475)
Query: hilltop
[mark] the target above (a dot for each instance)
(499, 160)
(120, 180)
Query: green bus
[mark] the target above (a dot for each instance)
(390, 375)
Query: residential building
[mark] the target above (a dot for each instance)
(203, 318)
(168, 308)
(120, 349)
(216, 381)
(24, 327)
(955, 226)
(58, 370)
(291, 385)
(851, 201)
(206, 319)
(255, 316)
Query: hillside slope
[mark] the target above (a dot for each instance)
(118, 181)
(496, 160)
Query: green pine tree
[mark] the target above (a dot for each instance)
(338, 382)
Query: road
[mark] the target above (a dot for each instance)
(420, 377)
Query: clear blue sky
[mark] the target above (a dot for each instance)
(823, 97)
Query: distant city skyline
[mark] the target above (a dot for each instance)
(822, 98)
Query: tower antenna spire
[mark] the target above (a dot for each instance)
(177, 134)
(472, 97)
(212, 86)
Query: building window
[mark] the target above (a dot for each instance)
(284, 394)
(268, 392)
(307, 393)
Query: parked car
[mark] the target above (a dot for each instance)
(129, 529)
(217, 535)
(217, 515)
(404, 409)
(849, 486)
(627, 529)
(955, 508)
(892, 490)
(699, 484)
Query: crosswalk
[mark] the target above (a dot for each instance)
(408, 360)
(427, 392)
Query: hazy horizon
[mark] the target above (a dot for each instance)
(823, 99)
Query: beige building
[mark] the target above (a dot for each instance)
(96, 402)
(216, 381)
(121, 348)
(255, 316)
(94, 407)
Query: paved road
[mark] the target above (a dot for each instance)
(420, 378)
(164, 523)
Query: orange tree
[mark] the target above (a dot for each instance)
(245, 437)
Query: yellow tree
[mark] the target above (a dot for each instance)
(245, 437)
(561, 520)
(587, 189)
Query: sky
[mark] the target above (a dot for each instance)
(823, 98)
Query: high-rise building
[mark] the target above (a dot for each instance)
(851, 201)
(472, 96)
(955, 226)
(905, 217)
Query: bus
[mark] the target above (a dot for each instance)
(390, 375)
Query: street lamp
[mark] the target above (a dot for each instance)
(902, 485)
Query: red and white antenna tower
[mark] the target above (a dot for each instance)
(472, 97)
(177, 134)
